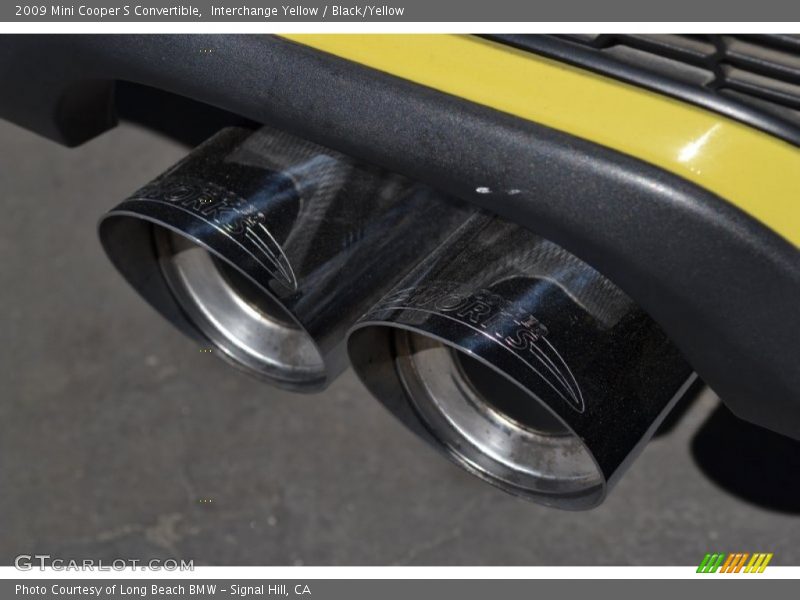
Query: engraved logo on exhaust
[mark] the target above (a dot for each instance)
(229, 214)
(491, 315)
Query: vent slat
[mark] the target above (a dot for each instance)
(767, 88)
(788, 41)
(692, 50)
(595, 40)
(663, 66)
(763, 60)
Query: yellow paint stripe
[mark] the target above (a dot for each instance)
(757, 564)
(765, 563)
(753, 559)
(754, 171)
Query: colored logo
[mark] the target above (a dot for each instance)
(734, 562)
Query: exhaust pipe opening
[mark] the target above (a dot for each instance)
(521, 363)
(269, 248)
(489, 423)
(250, 326)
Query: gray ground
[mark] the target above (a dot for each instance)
(113, 428)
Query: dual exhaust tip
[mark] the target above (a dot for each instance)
(519, 361)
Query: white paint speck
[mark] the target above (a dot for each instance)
(483, 190)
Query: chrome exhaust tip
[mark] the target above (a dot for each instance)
(268, 248)
(490, 424)
(246, 322)
(521, 363)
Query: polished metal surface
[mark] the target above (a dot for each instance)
(456, 395)
(268, 248)
(522, 363)
(250, 328)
